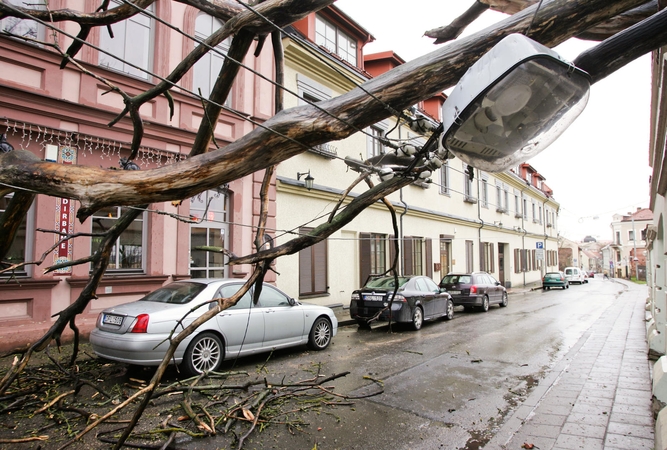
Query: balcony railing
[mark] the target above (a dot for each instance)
(326, 150)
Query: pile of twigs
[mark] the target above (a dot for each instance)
(52, 404)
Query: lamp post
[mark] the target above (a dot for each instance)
(511, 104)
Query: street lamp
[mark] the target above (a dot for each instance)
(308, 181)
(511, 104)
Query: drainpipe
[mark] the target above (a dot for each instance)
(544, 229)
(400, 231)
(523, 238)
(479, 216)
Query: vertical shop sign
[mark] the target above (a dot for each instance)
(64, 214)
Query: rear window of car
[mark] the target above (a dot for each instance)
(568, 271)
(387, 282)
(456, 279)
(175, 293)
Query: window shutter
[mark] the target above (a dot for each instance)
(482, 260)
(305, 271)
(428, 251)
(407, 256)
(491, 258)
(364, 257)
(320, 267)
(517, 260)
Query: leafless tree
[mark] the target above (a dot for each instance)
(630, 28)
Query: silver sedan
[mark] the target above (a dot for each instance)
(138, 332)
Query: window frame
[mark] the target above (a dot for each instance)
(315, 256)
(335, 45)
(28, 226)
(206, 224)
(445, 179)
(144, 240)
(211, 57)
(127, 38)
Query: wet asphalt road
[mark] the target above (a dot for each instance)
(448, 386)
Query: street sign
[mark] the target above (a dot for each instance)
(539, 244)
(539, 254)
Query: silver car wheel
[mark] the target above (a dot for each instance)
(417, 318)
(505, 301)
(485, 304)
(450, 310)
(320, 334)
(204, 354)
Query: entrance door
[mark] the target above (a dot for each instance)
(445, 256)
(501, 263)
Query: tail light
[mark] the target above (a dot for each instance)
(397, 298)
(141, 325)
(473, 289)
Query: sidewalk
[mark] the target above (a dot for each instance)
(599, 395)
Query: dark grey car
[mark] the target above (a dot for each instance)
(418, 298)
(476, 289)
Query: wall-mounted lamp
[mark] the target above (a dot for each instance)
(498, 224)
(308, 181)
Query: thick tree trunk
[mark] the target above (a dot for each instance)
(292, 131)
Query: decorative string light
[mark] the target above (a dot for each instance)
(86, 144)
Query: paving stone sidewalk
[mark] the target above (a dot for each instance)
(599, 395)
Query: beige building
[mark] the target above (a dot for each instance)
(504, 223)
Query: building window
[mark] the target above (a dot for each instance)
(19, 248)
(416, 256)
(128, 253)
(487, 257)
(499, 198)
(539, 215)
(467, 185)
(618, 238)
(444, 178)
(374, 141)
(131, 45)
(211, 230)
(22, 27)
(313, 268)
(207, 69)
(631, 235)
(336, 41)
(517, 206)
(378, 250)
(525, 209)
(485, 193)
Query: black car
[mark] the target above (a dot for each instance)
(418, 298)
(477, 289)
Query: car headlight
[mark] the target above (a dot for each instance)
(355, 296)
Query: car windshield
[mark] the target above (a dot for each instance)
(387, 282)
(178, 293)
(455, 279)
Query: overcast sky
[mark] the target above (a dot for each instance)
(599, 166)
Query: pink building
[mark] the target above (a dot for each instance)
(63, 115)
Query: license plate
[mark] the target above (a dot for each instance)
(112, 320)
(454, 292)
(374, 298)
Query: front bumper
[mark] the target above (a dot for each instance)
(400, 312)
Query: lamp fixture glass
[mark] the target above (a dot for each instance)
(308, 181)
(512, 104)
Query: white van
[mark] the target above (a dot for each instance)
(575, 275)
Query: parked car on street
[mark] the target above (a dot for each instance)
(417, 299)
(138, 332)
(591, 274)
(476, 289)
(554, 279)
(575, 275)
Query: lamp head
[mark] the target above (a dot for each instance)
(511, 104)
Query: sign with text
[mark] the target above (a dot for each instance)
(64, 217)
